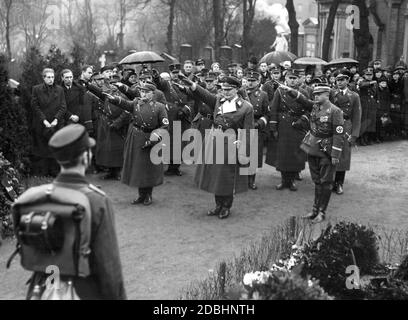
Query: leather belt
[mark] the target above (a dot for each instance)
(223, 129)
(321, 135)
(145, 130)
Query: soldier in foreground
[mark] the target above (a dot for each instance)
(95, 272)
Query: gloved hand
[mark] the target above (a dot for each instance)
(335, 161)
(293, 93)
(302, 124)
(113, 126)
(110, 98)
(352, 140)
(153, 140)
(185, 80)
(183, 113)
(272, 130)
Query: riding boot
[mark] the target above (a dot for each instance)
(284, 181)
(218, 207)
(251, 182)
(315, 209)
(226, 207)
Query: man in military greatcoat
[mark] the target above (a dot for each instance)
(287, 121)
(349, 102)
(233, 117)
(260, 103)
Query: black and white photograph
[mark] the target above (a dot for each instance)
(203, 155)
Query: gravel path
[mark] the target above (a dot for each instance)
(168, 245)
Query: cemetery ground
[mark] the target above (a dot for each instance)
(168, 245)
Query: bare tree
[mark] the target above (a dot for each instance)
(194, 23)
(32, 20)
(329, 29)
(248, 11)
(230, 14)
(294, 27)
(170, 28)
(362, 35)
(5, 13)
(218, 27)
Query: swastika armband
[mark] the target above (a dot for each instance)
(339, 130)
(165, 121)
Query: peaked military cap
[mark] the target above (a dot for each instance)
(147, 86)
(321, 88)
(211, 76)
(252, 75)
(292, 73)
(175, 67)
(382, 79)
(107, 67)
(145, 74)
(200, 62)
(97, 76)
(345, 74)
(230, 82)
(69, 142)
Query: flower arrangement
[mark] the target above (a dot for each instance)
(317, 270)
(10, 188)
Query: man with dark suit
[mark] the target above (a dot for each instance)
(49, 107)
(75, 100)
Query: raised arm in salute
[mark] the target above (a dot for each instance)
(146, 130)
(323, 145)
(231, 115)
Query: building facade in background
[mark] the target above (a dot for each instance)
(388, 23)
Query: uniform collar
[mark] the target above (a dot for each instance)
(235, 99)
(71, 178)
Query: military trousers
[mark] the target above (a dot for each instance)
(145, 191)
(224, 201)
(323, 173)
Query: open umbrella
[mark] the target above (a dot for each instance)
(277, 57)
(310, 61)
(341, 62)
(142, 57)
